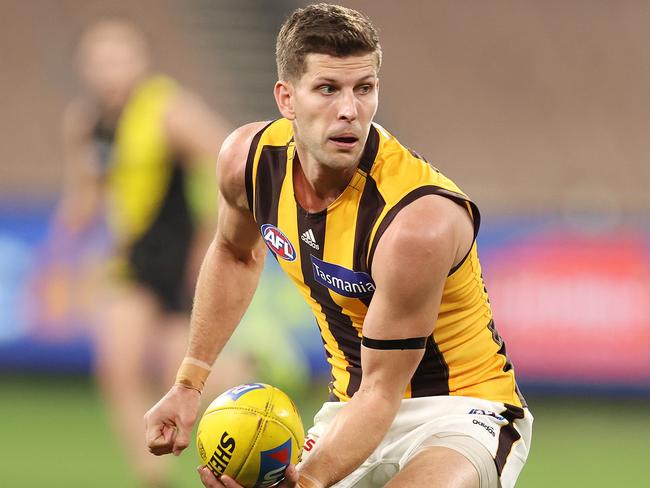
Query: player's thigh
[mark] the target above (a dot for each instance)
(125, 329)
(437, 466)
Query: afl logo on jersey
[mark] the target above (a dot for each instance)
(278, 243)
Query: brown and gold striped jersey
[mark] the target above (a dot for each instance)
(329, 254)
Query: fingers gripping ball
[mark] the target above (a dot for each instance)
(252, 433)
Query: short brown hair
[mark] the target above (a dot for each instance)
(323, 29)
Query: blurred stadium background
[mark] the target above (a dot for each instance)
(538, 109)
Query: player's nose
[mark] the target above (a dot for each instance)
(347, 109)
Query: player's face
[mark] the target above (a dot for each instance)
(333, 104)
(110, 65)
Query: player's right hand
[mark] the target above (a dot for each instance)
(168, 424)
(209, 480)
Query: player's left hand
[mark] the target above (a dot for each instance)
(209, 480)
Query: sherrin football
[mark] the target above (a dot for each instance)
(251, 433)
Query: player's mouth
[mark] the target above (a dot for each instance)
(344, 141)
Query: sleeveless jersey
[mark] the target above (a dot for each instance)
(144, 177)
(329, 255)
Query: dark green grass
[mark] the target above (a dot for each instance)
(56, 434)
(588, 443)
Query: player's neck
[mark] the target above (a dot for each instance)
(111, 105)
(317, 186)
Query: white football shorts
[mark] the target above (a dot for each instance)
(494, 437)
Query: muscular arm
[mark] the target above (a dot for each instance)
(233, 263)
(436, 233)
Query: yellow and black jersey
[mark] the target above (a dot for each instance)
(329, 256)
(143, 173)
(148, 207)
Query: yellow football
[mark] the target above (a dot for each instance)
(251, 433)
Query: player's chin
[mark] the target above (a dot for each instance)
(344, 158)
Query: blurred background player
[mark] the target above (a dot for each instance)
(138, 150)
(567, 260)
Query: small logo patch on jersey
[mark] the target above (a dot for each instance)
(278, 243)
(344, 281)
(273, 464)
(310, 239)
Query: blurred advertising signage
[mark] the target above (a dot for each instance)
(574, 308)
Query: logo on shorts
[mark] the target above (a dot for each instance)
(278, 243)
(309, 443)
(489, 413)
(489, 428)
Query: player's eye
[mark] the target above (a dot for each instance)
(326, 89)
(365, 89)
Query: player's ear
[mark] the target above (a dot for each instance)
(283, 92)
